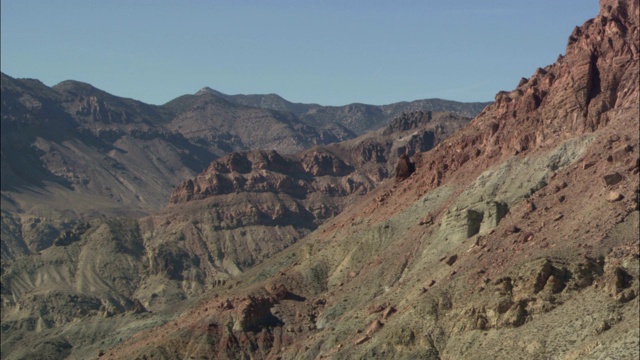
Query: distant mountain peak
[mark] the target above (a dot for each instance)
(79, 87)
(74, 84)
(208, 90)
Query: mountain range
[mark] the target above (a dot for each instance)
(513, 235)
(72, 152)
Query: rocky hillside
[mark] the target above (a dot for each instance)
(516, 237)
(72, 152)
(245, 208)
(248, 206)
(208, 119)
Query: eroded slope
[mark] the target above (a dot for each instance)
(517, 237)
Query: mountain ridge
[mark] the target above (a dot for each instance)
(114, 156)
(516, 236)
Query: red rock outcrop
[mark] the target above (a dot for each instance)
(405, 167)
(336, 170)
(579, 93)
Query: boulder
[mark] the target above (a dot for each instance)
(614, 196)
(612, 179)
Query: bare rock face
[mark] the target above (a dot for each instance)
(335, 171)
(359, 164)
(319, 164)
(253, 313)
(408, 121)
(259, 171)
(405, 167)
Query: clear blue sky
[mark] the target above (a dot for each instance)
(327, 52)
